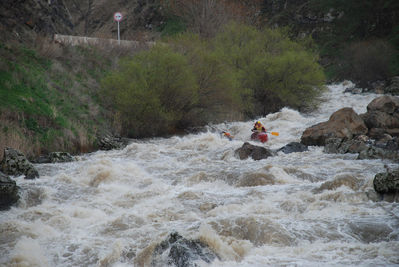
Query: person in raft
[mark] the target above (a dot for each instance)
(259, 128)
(229, 136)
(259, 132)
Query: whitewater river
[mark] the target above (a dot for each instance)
(111, 208)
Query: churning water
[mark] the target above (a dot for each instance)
(300, 209)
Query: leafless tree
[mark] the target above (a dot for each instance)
(206, 17)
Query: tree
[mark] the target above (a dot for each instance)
(277, 71)
(153, 91)
(218, 91)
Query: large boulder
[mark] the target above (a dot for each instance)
(344, 123)
(374, 152)
(60, 157)
(364, 147)
(342, 146)
(387, 184)
(54, 157)
(255, 152)
(382, 116)
(293, 147)
(15, 163)
(8, 191)
(181, 252)
(109, 142)
(386, 104)
(393, 87)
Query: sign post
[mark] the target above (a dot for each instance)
(118, 17)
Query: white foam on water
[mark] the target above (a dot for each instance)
(28, 252)
(110, 208)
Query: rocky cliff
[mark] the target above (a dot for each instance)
(23, 19)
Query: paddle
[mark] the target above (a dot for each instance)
(272, 133)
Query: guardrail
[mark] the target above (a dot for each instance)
(92, 41)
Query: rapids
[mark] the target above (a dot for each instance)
(111, 208)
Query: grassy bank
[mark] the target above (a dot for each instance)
(49, 97)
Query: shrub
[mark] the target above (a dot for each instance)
(152, 91)
(275, 70)
(218, 87)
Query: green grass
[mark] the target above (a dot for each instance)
(47, 102)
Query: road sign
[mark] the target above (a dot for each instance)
(118, 16)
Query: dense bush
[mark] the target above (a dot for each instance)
(277, 71)
(153, 91)
(218, 86)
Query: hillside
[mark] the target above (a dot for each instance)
(52, 95)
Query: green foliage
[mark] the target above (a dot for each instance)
(276, 70)
(189, 81)
(152, 91)
(41, 98)
(173, 26)
(218, 86)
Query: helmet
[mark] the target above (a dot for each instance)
(258, 122)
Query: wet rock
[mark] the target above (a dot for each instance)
(332, 145)
(255, 152)
(340, 146)
(258, 230)
(386, 104)
(8, 192)
(54, 157)
(365, 148)
(375, 152)
(387, 182)
(353, 90)
(343, 180)
(377, 87)
(42, 159)
(109, 142)
(370, 231)
(393, 144)
(293, 147)
(393, 87)
(344, 123)
(382, 117)
(15, 163)
(256, 179)
(181, 252)
(60, 157)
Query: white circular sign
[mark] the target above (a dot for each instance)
(118, 16)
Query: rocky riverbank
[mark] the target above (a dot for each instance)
(372, 135)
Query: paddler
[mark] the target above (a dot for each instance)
(228, 135)
(258, 127)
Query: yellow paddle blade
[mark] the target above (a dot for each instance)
(275, 133)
